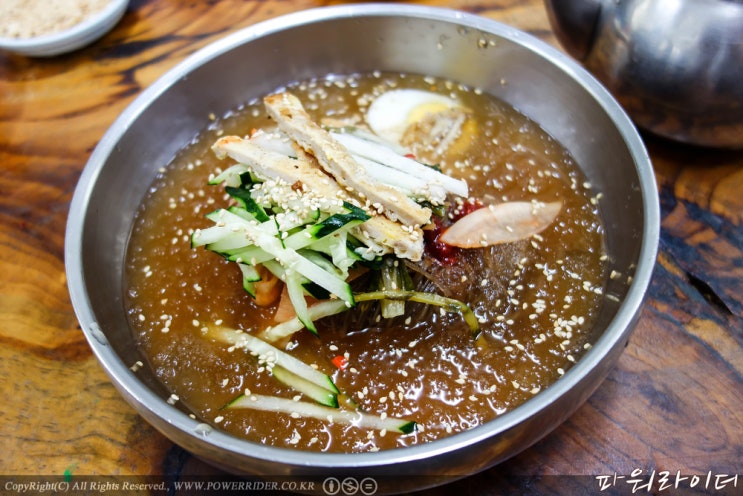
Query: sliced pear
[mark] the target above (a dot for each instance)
(503, 223)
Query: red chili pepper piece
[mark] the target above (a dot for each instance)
(340, 362)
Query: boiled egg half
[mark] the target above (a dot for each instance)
(421, 119)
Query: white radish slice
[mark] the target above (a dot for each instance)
(386, 156)
(503, 223)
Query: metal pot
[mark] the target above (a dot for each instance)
(537, 79)
(675, 65)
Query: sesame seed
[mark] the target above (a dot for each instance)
(295, 437)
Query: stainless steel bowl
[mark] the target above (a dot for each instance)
(675, 65)
(543, 83)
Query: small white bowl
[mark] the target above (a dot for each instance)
(77, 36)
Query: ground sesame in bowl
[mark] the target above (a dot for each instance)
(31, 18)
(53, 27)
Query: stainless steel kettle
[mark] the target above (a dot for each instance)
(676, 66)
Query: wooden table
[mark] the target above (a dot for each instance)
(673, 403)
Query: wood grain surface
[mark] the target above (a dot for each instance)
(673, 402)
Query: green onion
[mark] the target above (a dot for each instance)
(449, 304)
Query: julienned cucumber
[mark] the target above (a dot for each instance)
(305, 379)
(306, 409)
(250, 277)
(316, 312)
(239, 236)
(306, 387)
(230, 176)
(268, 352)
(334, 307)
(295, 290)
(265, 237)
(242, 196)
